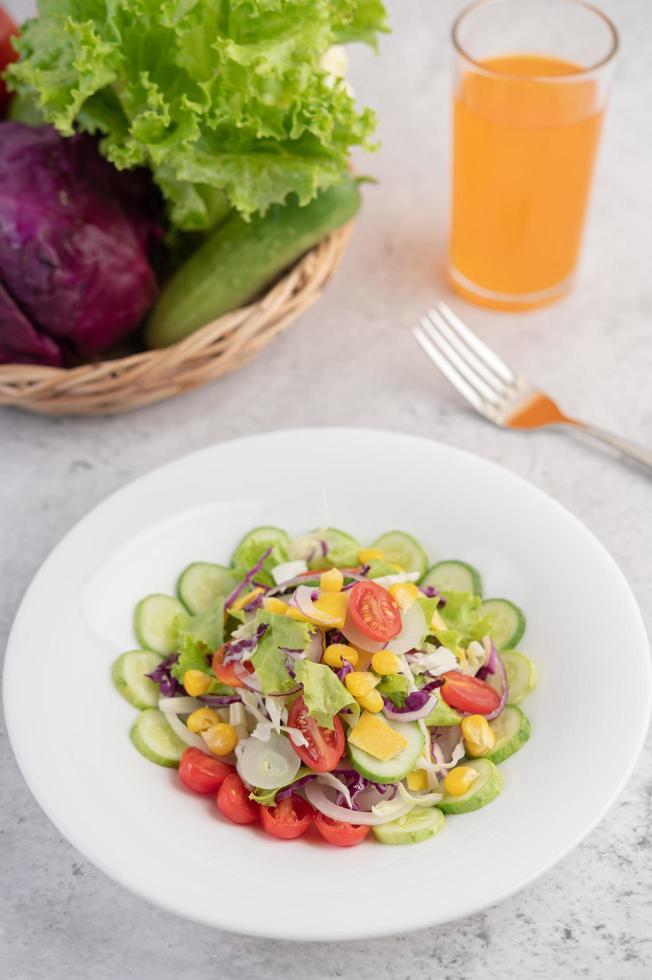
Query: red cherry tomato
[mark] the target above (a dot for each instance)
(465, 693)
(225, 673)
(201, 772)
(374, 612)
(325, 746)
(7, 54)
(340, 834)
(288, 819)
(233, 800)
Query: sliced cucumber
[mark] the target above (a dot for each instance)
(394, 769)
(404, 550)
(509, 622)
(154, 622)
(417, 825)
(263, 537)
(153, 737)
(128, 675)
(486, 788)
(201, 583)
(341, 549)
(522, 676)
(453, 576)
(512, 730)
(442, 714)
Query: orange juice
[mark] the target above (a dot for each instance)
(524, 148)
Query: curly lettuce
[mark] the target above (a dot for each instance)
(225, 100)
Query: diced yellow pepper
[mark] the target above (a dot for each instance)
(196, 682)
(376, 737)
(293, 613)
(360, 682)
(201, 719)
(333, 604)
(405, 594)
(459, 780)
(274, 605)
(244, 600)
(417, 780)
(371, 702)
(331, 581)
(336, 653)
(385, 662)
(479, 737)
(221, 738)
(365, 555)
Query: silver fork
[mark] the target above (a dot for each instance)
(496, 391)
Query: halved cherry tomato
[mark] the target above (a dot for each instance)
(7, 54)
(374, 612)
(340, 834)
(202, 773)
(233, 800)
(325, 746)
(288, 819)
(465, 693)
(225, 673)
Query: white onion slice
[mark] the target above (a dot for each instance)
(179, 706)
(269, 764)
(288, 570)
(328, 779)
(416, 715)
(419, 799)
(185, 734)
(387, 580)
(250, 681)
(413, 631)
(382, 813)
(304, 603)
(315, 648)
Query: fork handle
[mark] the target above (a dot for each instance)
(628, 449)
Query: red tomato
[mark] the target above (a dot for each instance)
(325, 746)
(374, 612)
(201, 772)
(340, 834)
(233, 800)
(288, 819)
(225, 673)
(7, 54)
(465, 693)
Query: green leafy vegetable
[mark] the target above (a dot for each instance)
(251, 553)
(267, 797)
(224, 99)
(206, 628)
(193, 656)
(463, 620)
(270, 658)
(323, 691)
(394, 687)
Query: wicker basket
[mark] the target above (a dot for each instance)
(109, 387)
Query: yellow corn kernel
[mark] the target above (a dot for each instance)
(365, 555)
(334, 605)
(196, 682)
(360, 682)
(331, 581)
(244, 600)
(274, 605)
(405, 594)
(479, 737)
(417, 780)
(459, 780)
(221, 738)
(293, 613)
(372, 702)
(336, 653)
(385, 662)
(201, 719)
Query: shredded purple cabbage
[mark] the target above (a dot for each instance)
(334, 636)
(314, 595)
(284, 794)
(345, 669)
(433, 685)
(239, 589)
(255, 603)
(413, 702)
(219, 700)
(430, 591)
(162, 675)
(235, 650)
(356, 784)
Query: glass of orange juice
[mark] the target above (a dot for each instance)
(531, 84)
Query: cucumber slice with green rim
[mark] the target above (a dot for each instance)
(128, 673)
(154, 622)
(153, 737)
(512, 730)
(443, 714)
(417, 825)
(342, 549)
(453, 576)
(404, 550)
(509, 622)
(201, 583)
(392, 770)
(522, 676)
(486, 788)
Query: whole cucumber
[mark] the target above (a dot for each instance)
(240, 258)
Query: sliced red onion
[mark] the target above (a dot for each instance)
(492, 657)
(303, 599)
(416, 714)
(315, 648)
(316, 794)
(250, 681)
(239, 589)
(504, 694)
(219, 700)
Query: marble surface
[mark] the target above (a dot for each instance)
(351, 360)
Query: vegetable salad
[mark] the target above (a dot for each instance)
(317, 683)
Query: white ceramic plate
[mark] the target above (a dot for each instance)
(133, 819)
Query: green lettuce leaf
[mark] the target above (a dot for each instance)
(225, 100)
(394, 687)
(193, 655)
(206, 628)
(463, 620)
(267, 797)
(323, 691)
(270, 659)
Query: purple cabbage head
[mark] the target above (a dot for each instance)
(74, 233)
